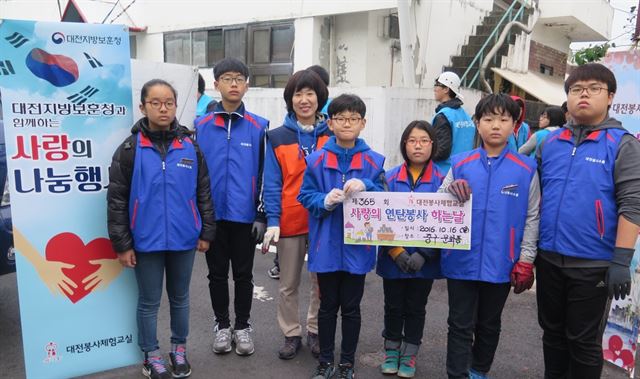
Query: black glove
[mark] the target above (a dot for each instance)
(460, 189)
(416, 262)
(429, 254)
(257, 231)
(403, 261)
(618, 274)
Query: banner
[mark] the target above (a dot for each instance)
(407, 219)
(66, 95)
(620, 339)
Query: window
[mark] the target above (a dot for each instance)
(547, 70)
(266, 48)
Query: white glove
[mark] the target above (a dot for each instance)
(272, 234)
(333, 198)
(353, 186)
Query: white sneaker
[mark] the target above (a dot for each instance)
(222, 340)
(244, 342)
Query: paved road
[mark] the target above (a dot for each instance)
(519, 354)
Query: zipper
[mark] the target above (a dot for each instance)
(164, 154)
(195, 215)
(135, 213)
(564, 187)
(226, 177)
(512, 238)
(600, 218)
(484, 222)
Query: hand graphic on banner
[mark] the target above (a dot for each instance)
(108, 271)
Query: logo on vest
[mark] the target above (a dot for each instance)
(594, 160)
(465, 124)
(510, 190)
(245, 144)
(185, 163)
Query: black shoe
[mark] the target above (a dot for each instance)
(324, 371)
(179, 363)
(155, 368)
(290, 348)
(345, 371)
(313, 342)
(274, 272)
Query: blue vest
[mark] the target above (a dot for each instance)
(463, 132)
(162, 204)
(398, 181)
(579, 215)
(541, 135)
(232, 146)
(327, 250)
(516, 141)
(500, 203)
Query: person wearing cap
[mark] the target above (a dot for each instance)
(455, 131)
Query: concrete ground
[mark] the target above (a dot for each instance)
(519, 354)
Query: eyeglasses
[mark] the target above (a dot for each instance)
(421, 141)
(343, 120)
(230, 79)
(157, 104)
(591, 90)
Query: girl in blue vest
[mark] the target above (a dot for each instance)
(551, 118)
(159, 213)
(408, 272)
(504, 233)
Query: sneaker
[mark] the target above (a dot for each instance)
(324, 371)
(407, 367)
(391, 362)
(222, 340)
(290, 348)
(244, 342)
(180, 366)
(155, 368)
(345, 371)
(313, 342)
(473, 374)
(274, 272)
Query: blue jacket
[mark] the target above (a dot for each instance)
(327, 169)
(500, 188)
(516, 141)
(463, 132)
(398, 181)
(233, 146)
(203, 102)
(162, 201)
(579, 215)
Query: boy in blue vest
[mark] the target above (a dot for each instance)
(504, 232)
(232, 140)
(454, 128)
(589, 224)
(343, 167)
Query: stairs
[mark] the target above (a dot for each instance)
(473, 52)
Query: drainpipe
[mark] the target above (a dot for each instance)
(406, 42)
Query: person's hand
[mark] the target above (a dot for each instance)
(522, 277)
(257, 231)
(203, 246)
(333, 198)
(403, 261)
(353, 186)
(272, 234)
(109, 270)
(618, 274)
(127, 258)
(460, 189)
(416, 262)
(51, 274)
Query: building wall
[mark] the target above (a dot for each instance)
(542, 54)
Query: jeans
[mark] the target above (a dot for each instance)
(150, 270)
(475, 310)
(233, 246)
(572, 311)
(339, 290)
(405, 302)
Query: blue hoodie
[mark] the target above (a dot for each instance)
(327, 169)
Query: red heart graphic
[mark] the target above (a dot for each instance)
(69, 248)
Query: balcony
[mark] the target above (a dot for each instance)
(579, 21)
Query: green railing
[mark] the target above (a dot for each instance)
(509, 15)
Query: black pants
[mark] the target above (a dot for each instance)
(233, 244)
(572, 305)
(339, 290)
(405, 302)
(475, 310)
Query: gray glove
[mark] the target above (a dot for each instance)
(403, 261)
(618, 275)
(416, 262)
(257, 231)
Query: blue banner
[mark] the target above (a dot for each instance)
(66, 96)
